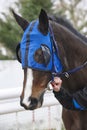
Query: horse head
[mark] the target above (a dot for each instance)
(38, 57)
(36, 34)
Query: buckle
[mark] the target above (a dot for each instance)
(66, 74)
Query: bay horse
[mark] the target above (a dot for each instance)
(72, 49)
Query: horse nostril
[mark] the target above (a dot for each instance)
(34, 101)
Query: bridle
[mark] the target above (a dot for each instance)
(65, 74)
(70, 72)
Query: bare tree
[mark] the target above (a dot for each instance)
(74, 11)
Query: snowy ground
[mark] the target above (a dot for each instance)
(48, 118)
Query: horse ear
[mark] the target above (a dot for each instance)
(43, 22)
(21, 21)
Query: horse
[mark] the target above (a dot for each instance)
(72, 51)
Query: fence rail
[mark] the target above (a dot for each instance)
(10, 101)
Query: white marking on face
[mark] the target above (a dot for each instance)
(28, 87)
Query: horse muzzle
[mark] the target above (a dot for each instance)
(32, 103)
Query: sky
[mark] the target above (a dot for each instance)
(4, 4)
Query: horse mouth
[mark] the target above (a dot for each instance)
(34, 102)
(33, 105)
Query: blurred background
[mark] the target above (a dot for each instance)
(11, 73)
(10, 33)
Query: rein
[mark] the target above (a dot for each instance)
(69, 72)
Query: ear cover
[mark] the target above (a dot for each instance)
(46, 54)
(43, 22)
(18, 53)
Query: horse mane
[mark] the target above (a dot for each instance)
(66, 23)
(72, 50)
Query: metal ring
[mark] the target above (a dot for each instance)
(66, 74)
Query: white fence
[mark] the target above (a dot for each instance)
(9, 100)
(10, 103)
(12, 115)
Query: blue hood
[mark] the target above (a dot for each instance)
(31, 41)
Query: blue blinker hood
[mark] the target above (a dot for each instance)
(31, 41)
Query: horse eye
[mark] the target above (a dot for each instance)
(38, 56)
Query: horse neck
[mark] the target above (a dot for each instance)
(72, 50)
